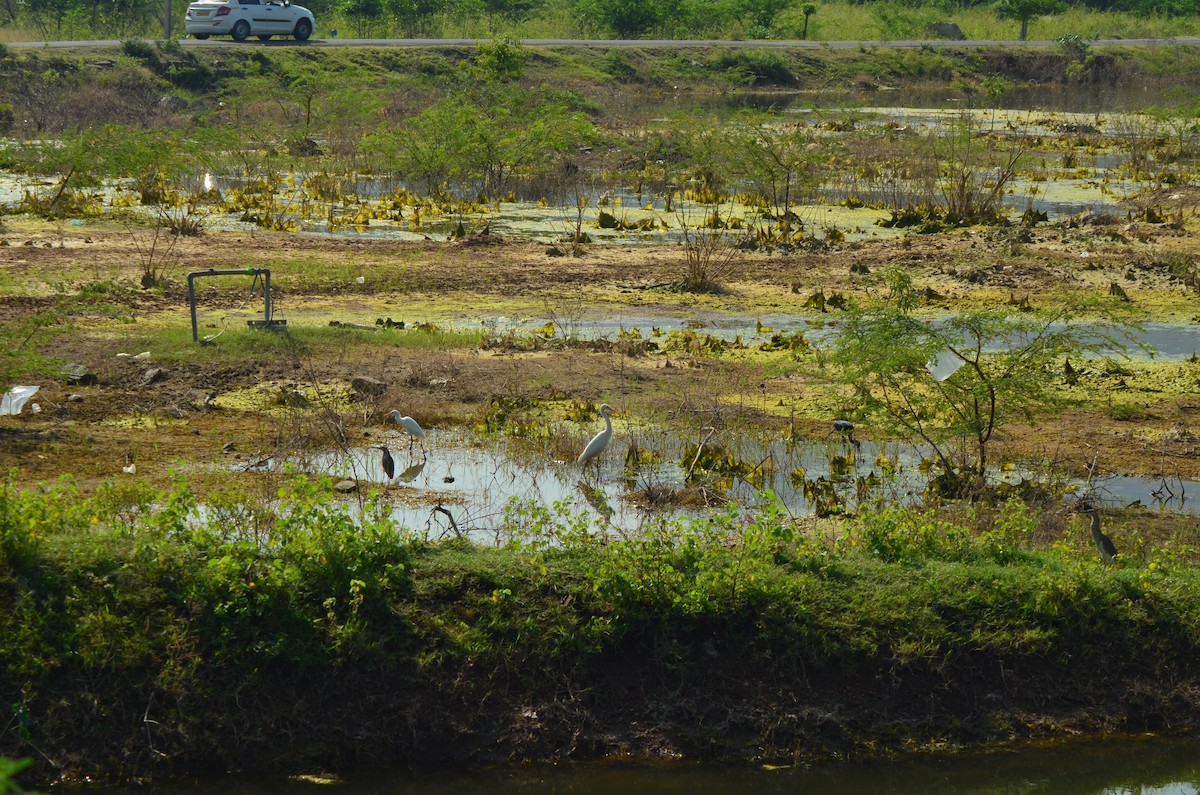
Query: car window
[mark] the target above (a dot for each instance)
(248, 2)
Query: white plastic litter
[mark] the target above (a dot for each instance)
(15, 398)
(943, 365)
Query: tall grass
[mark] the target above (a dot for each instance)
(893, 21)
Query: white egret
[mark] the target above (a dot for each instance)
(600, 441)
(411, 426)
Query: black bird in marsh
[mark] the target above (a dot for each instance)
(389, 463)
(846, 428)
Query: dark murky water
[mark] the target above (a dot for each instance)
(1115, 766)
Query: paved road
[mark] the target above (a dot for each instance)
(606, 43)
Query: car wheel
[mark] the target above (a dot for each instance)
(241, 30)
(201, 36)
(264, 36)
(303, 30)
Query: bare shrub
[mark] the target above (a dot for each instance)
(155, 246)
(952, 176)
(709, 255)
(186, 219)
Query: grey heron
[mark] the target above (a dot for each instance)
(1108, 550)
(389, 463)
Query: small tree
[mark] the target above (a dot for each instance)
(779, 165)
(1025, 10)
(947, 385)
(807, 9)
(364, 15)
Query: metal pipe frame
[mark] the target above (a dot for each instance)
(191, 280)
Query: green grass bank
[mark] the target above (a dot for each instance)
(144, 635)
(52, 90)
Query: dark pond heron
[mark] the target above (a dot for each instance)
(389, 463)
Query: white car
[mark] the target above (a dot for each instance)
(243, 18)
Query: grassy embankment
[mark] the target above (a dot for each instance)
(102, 85)
(142, 636)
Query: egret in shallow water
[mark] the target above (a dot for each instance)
(1108, 550)
(600, 441)
(411, 426)
(389, 463)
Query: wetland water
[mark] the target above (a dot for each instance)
(1112, 766)
(1056, 181)
(479, 479)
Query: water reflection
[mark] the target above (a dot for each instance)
(1165, 766)
(1164, 342)
(469, 482)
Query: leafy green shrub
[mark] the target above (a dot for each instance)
(907, 535)
(755, 67)
(27, 517)
(618, 67)
(142, 50)
(1008, 534)
(502, 59)
(298, 584)
(901, 535)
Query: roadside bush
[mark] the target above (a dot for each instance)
(755, 67)
(501, 60)
(618, 66)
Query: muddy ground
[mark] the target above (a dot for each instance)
(1140, 421)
